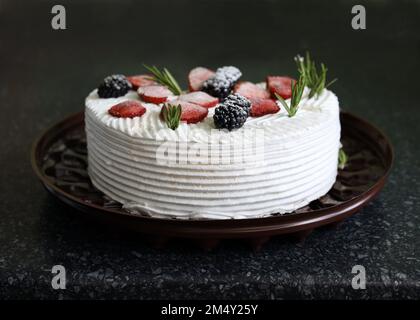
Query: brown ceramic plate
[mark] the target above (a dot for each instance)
(59, 160)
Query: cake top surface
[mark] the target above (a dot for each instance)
(218, 105)
(312, 113)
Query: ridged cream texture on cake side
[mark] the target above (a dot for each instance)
(295, 164)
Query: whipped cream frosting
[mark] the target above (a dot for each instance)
(275, 164)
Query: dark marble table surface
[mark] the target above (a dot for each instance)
(46, 74)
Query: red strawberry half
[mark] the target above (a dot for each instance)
(154, 94)
(280, 85)
(251, 90)
(197, 76)
(201, 98)
(141, 80)
(191, 113)
(127, 109)
(261, 107)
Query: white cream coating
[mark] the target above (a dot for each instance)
(299, 161)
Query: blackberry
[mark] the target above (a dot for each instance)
(231, 73)
(240, 101)
(229, 115)
(217, 87)
(114, 86)
(222, 83)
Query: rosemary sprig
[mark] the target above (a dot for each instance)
(297, 91)
(165, 78)
(315, 79)
(172, 115)
(342, 159)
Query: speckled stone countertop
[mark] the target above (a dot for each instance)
(46, 74)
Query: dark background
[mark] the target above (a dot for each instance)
(45, 75)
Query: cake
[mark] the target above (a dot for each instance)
(227, 149)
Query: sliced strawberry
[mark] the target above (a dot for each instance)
(251, 90)
(141, 80)
(127, 109)
(280, 85)
(197, 76)
(154, 94)
(261, 107)
(201, 98)
(191, 113)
